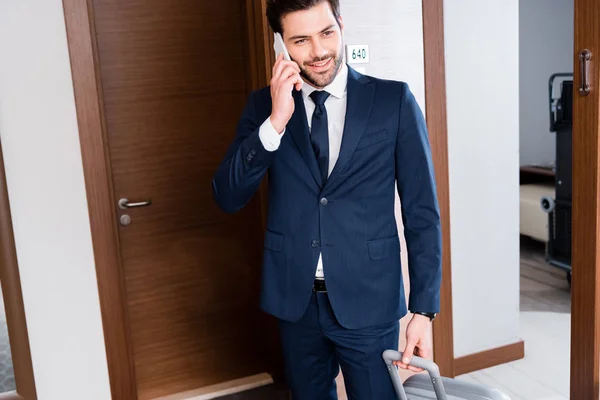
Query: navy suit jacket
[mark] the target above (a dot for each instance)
(384, 146)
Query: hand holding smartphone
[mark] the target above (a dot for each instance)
(286, 77)
(280, 48)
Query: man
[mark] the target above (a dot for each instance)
(335, 145)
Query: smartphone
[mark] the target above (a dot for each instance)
(279, 47)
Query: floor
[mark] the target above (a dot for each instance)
(545, 327)
(266, 393)
(7, 375)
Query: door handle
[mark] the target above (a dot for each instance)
(584, 59)
(124, 204)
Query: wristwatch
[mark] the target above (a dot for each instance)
(429, 315)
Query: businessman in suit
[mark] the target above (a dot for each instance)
(336, 145)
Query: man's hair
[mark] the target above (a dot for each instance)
(277, 9)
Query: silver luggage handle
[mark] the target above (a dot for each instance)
(389, 356)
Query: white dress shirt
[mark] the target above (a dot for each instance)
(336, 115)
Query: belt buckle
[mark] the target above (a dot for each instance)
(319, 286)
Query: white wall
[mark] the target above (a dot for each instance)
(39, 134)
(546, 47)
(482, 74)
(394, 33)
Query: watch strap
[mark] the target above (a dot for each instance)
(429, 315)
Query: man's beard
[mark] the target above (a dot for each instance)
(322, 80)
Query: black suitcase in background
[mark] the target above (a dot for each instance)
(558, 251)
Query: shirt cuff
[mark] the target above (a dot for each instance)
(269, 137)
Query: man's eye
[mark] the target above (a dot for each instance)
(300, 41)
(328, 33)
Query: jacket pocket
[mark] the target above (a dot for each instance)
(273, 241)
(382, 248)
(370, 139)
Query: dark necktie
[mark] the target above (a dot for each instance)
(319, 132)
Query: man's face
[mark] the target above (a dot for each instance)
(314, 40)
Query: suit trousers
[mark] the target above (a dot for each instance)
(316, 346)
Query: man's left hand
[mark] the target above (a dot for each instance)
(418, 341)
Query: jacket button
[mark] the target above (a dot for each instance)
(324, 201)
(250, 155)
(314, 243)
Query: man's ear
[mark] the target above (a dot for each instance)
(341, 22)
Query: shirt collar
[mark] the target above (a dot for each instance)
(337, 88)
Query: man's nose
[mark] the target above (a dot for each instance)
(318, 50)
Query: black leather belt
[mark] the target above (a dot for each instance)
(319, 285)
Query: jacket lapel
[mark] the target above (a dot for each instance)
(298, 128)
(359, 102)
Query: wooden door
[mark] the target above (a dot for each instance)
(174, 79)
(585, 292)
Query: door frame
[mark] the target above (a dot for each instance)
(585, 248)
(79, 20)
(436, 117)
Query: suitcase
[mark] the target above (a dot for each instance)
(434, 387)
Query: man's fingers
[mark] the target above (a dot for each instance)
(293, 80)
(279, 67)
(414, 369)
(408, 352)
(400, 364)
(299, 82)
(288, 72)
(424, 352)
(282, 65)
(277, 62)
